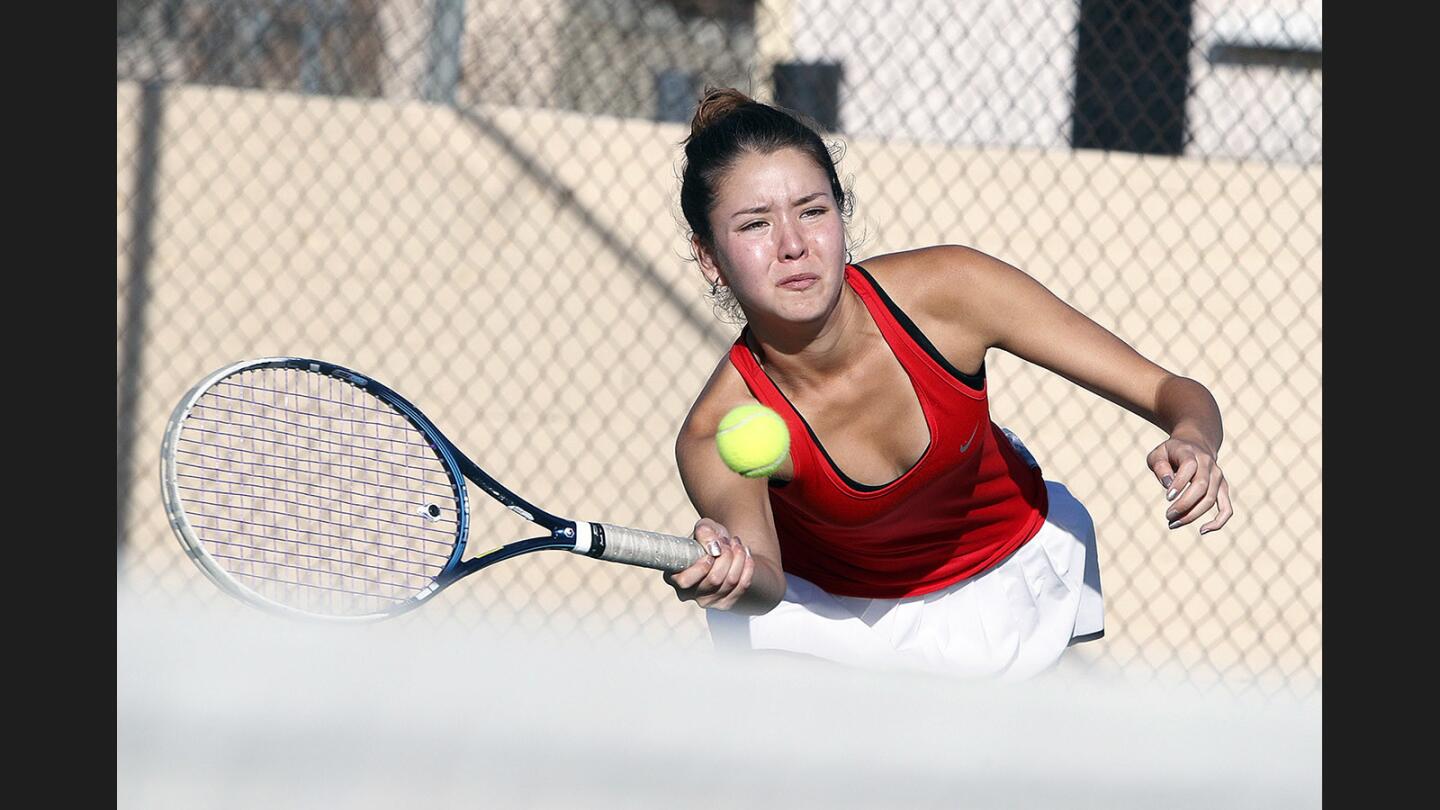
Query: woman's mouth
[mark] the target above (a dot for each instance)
(799, 281)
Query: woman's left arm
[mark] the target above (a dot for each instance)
(1016, 313)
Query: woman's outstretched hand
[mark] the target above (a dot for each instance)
(1193, 481)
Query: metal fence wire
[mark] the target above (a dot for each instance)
(476, 202)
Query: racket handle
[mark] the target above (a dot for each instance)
(662, 552)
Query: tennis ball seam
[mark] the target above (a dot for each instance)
(756, 444)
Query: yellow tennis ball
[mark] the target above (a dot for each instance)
(752, 440)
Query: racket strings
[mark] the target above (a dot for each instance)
(342, 447)
(314, 493)
(207, 485)
(376, 544)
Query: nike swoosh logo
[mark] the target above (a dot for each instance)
(966, 445)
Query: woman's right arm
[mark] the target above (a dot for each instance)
(742, 572)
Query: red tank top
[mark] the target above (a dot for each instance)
(966, 504)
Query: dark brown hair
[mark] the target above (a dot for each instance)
(727, 124)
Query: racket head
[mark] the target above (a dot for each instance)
(307, 489)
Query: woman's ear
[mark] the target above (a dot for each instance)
(708, 266)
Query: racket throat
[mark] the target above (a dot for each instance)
(587, 538)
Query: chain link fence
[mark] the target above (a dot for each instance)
(477, 202)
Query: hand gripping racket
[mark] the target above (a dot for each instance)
(307, 489)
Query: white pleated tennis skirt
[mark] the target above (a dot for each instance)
(1011, 623)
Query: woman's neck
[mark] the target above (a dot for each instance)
(807, 356)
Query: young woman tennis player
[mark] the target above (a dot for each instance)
(907, 529)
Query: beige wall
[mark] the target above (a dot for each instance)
(436, 252)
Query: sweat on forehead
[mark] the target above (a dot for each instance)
(757, 183)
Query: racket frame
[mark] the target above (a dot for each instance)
(563, 534)
(625, 545)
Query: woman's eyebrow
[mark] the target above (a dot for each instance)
(760, 209)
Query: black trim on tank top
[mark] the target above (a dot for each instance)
(975, 382)
(744, 340)
(816, 441)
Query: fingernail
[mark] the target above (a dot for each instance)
(1175, 524)
(1165, 482)
(1170, 496)
(747, 550)
(714, 549)
(1171, 515)
(1204, 531)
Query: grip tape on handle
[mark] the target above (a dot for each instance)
(662, 552)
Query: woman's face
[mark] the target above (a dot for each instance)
(779, 238)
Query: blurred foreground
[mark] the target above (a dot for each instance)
(223, 707)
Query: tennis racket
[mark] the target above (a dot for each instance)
(307, 489)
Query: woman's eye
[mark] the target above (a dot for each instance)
(816, 211)
(750, 226)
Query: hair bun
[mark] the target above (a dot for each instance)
(715, 104)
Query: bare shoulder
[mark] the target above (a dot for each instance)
(724, 390)
(701, 470)
(945, 290)
(934, 281)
